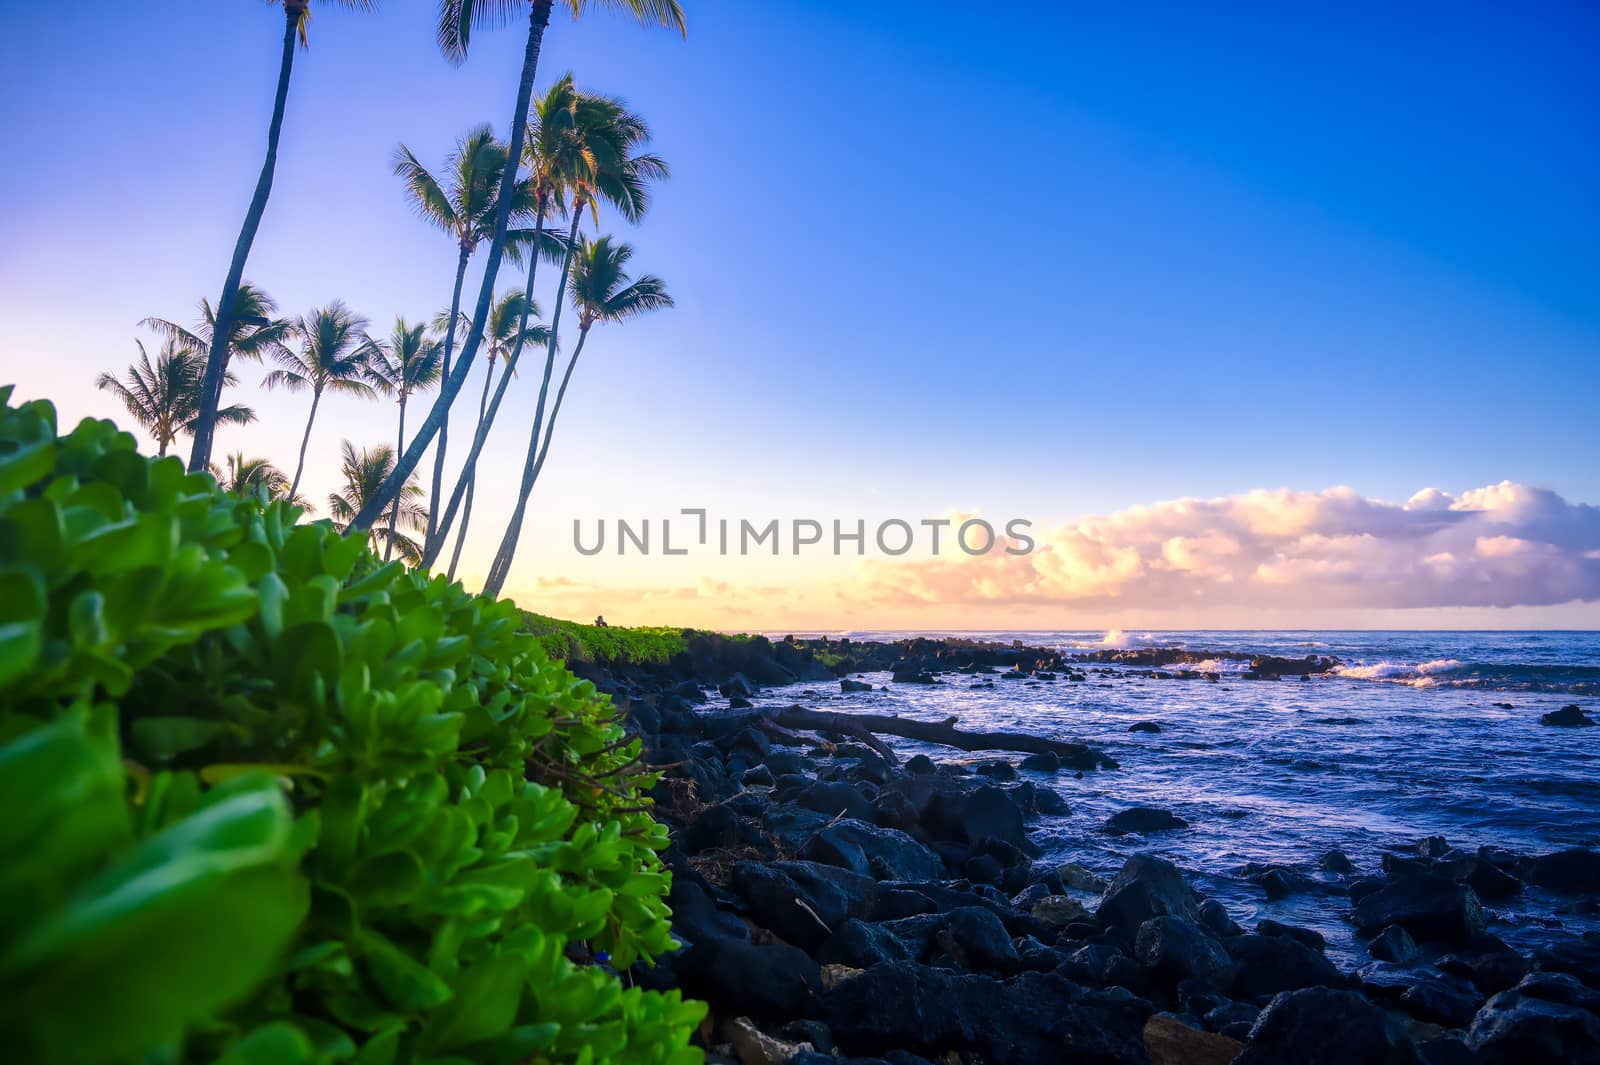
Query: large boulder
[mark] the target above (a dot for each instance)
(802, 901)
(737, 685)
(1322, 1026)
(1569, 716)
(1519, 1028)
(1147, 887)
(989, 813)
(1570, 872)
(1175, 950)
(1034, 1017)
(881, 853)
(1267, 965)
(863, 944)
(1579, 957)
(979, 940)
(1441, 998)
(768, 981)
(833, 797)
(1432, 908)
(1143, 819)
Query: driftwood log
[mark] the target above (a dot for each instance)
(868, 727)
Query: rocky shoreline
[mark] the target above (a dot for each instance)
(837, 903)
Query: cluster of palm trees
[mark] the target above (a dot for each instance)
(570, 154)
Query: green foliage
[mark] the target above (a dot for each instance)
(571, 642)
(271, 801)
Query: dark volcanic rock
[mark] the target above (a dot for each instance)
(1044, 762)
(1144, 726)
(882, 853)
(1518, 1028)
(771, 981)
(802, 901)
(1280, 882)
(1431, 908)
(1146, 887)
(1143, 819)
(1032, 1018)
(1266, 965)
(1309, 936)
(834, 797)
(981, 940)
(996, 770)
(989, 813)
(1570, 872)
(863, 944)
(1320, 1026)
(716, 827)
(1577, 957)
(1570, 716)
(1488, 880)
(739, 685)
(1336, 861)
(1174, 949)
(848, 685)
(1393, 944)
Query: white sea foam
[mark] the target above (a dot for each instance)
(1421, 675)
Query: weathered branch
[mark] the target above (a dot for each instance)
(945, 733)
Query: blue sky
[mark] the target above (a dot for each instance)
(1032, 260)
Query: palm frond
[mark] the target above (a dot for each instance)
(427, 196)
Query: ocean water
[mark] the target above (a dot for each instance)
(1406, 741)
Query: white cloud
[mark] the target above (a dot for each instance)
(1499, 546)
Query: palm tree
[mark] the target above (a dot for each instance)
(256, 332)
(333, 355)
(589, 145)
(296, 13)
(254, 477)
(165, 398)
(406, 363)
(508, 328)
(457, 21)
(464, 207)
(602, 291)
(364, 473)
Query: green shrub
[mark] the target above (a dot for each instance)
(611, 645)
(569, 641)
(272, 801)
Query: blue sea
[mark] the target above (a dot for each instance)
(1416, 734)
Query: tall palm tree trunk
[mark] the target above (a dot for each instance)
(472, 477)
(444, 426)
(515, 525)
(394, 515)
(508, 544)
(538, 19)
(222, 330)
(470, 469)
(294, 486)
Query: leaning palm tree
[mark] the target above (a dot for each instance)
(333, 356)
(296, 13)
(364, 472)
(506, 332)
(457, 21)
(254, 477)
(164, 398)
(406, 363)
(463, 205)
(256, 333)
(587, 145)
(602, 291)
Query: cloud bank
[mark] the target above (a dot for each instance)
(1505, 545)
